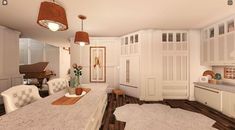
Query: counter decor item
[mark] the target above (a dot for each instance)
(75, 82)
(203, 79)
(211, 76)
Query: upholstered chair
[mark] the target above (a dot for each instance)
(19, 96)
(56, 85)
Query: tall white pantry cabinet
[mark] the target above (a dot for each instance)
(154, 64)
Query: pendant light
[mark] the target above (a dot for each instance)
(81, 37)
(4, 2)
(52, 16)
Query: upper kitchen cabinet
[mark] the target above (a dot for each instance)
(130, 44)
(218, 43)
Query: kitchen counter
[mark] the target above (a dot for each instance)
(221, 87)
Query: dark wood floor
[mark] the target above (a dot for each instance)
(110, 123)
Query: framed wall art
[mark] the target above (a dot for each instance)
(97, 64)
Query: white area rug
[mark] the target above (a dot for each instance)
(161, 117)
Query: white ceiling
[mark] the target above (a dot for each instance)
(114, 17)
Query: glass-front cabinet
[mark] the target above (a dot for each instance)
(218, 43)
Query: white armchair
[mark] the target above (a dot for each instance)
(56, 85)
(19, 96)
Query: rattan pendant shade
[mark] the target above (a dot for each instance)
(52, 16)
(81, 37)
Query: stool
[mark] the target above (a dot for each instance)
(118, 92)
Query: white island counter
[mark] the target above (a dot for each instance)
(86, 114)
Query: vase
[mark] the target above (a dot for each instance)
(72, 90)
(77, 81)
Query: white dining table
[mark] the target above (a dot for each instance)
(42, 115)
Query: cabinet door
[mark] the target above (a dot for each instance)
(212, 50)
(134, 71)
(209, 97)
(221, 49)
(230, 48)
(232, 105)
(122, 70)
(226, 103)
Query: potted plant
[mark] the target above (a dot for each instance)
(75, 82)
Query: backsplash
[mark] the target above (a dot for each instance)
(227, 73)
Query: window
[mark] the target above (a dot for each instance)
(132, 39)
(136, 38)
(178, 37)
(126, 41)
(212, 32)
(221, 29)
(230, 26)
(170, 37)
(164, 37)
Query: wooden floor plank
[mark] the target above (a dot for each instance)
(222, 122)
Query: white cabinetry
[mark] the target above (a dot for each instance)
(228, 106)
(218, 43)
(139, 65)
(209, 97)
(130, 64)
(175, 64)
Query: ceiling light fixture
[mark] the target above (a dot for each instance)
(4, 2)
(230, 2)
(81, 37)
(52, 16)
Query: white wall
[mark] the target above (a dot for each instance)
(9, 52)
(81, 56)
(64, 62)
(196, 70)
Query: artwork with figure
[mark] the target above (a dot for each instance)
(98, 64)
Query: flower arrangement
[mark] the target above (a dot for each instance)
(75, 82)
(77, 70)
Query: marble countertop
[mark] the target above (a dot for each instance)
(221, 87)
(42, 115)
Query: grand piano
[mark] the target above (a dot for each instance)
(36, 71)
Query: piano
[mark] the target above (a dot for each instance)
(36, 71)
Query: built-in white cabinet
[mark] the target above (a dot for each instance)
(228, 106)
(209, 97)
(139, 66)
(218, 43)
(154, 64)
(222, 101)
(130, 64)
(175, 64)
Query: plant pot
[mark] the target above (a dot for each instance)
(78, 91)
(71, 90)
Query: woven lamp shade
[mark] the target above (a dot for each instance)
(51, 12)
(82, 37)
